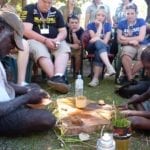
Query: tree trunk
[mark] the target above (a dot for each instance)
(24, 2)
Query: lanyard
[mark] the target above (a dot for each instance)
(42, 17)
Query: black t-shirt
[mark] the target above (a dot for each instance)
(52, 20)
(69, 38)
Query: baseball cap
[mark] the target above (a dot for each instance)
(13, 20)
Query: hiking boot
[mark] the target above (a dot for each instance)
(59, 84)
(110, 71)
(94, 83)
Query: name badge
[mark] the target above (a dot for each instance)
(44, 31)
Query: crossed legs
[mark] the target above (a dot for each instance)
(22, 62)
(128, 54)
(25, 121)
(130, 69)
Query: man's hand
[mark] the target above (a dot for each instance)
(75, 29)
(123, 38)
(99, 24)
(127, 113)
(125, 105)
(31, 86)
(133, 98)
(94, 39)
(36, 95)
(134, 42)
(75, 46)
(51, 44)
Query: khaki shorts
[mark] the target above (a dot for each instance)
(38, 49)
(133, 51)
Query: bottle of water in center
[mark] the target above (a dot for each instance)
(79, 86)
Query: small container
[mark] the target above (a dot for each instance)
(106, 142)
(122, 142)
(57, 44)
(80, 101)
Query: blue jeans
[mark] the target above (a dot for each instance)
(97, 48)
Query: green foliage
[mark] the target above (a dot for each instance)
(121, 123)
(119, 120)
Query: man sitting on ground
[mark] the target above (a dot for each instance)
(15, 117)
(140, 115)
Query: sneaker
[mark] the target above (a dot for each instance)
(94, 83)
(59, 84)
(111, 71)
(122, 80)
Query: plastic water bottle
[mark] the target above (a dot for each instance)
(79, 86)
(106, 142)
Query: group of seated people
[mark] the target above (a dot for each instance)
(43, 35)
(50, 44)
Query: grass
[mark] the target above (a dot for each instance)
(52, 140)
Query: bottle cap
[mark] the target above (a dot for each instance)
(79, 76)
(106, 140)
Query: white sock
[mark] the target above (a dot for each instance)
(59, 74)
(95, 79)
(23, 83)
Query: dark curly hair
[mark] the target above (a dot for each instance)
(145, 56)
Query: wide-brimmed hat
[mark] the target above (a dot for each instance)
(14, 21)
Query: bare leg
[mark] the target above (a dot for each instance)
(61, 63)
(58, 81)
(97, 71)
(22, 61)
(47, 66)
(25, 121)
(139, 107)
(137, 67)
(127, 63)
(138, 122)
(95, 80)
(105, 59)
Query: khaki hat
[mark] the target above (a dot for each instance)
(13, 20)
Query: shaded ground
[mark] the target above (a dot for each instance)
(52, 140)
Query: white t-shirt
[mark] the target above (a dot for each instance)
(7, 93)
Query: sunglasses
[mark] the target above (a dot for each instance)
(131, 6)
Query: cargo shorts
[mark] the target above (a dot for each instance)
(38, 49)
(133, 51)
